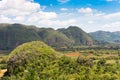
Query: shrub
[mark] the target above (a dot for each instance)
(101, 62)
(85, 61)
(26, 54)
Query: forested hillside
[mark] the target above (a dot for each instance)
(15, 34)
(106, 36)
(12, 35)
(54, 38)
(79, 36)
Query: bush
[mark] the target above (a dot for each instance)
(85, 61)
(101, 62)
(26, 54)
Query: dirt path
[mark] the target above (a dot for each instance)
(74, 54)
(2, 72)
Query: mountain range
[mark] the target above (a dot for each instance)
(12, 35)
(106, 36)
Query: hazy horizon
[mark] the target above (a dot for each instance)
(89, 15)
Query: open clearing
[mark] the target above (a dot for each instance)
(73, 54)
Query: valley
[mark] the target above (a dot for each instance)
(32, 53)
(59, 39)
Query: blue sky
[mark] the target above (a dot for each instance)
(90, 15)
(102, 5)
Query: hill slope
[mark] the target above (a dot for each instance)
(77, 35)
(54, 38)
(12, 35)
(27, 54)
(106, 36)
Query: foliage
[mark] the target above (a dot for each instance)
(77, 35)
(25, 54)
(43, 63)
(106, 36)
(85, 61)
(13, 35)
(54, 38)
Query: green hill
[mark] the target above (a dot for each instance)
(26, 54)
(54, 38)
(77, 35)
(12, 35)
(106, 36)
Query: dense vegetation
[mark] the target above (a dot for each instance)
(37, 61)
(26, 54)
(77, 35)
(54, 38)
(13, 35)
(106, 36)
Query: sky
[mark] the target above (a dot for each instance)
(89, 15)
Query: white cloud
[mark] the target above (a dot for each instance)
(29, 12)
(90, 12)
(63, 1)
(90, 22)
(112, 15)
(113, 25)
(4, 19)
(58, 23)
(19, 18)
(42, 16)
(99, 14)
(19, 8)
(20, 5)
(63, 9)
(24, 11)
(87, 11)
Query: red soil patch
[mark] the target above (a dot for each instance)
(75, 54)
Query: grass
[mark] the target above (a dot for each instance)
(109, 55)
(110, 61)
(3, 58)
